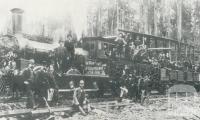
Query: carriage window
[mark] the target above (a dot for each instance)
(152, 43)
(86, 46)
(100, 45)
(138, 40)
(144, 40)
(188, 51)
(92, 46)
(183, 50)
(105, 46)
(192, 53)
(166, 43)
(196, 58)
(173, 46)
(160, 43)
(147, 42)
(173, 51)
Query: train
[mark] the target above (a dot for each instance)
(103, 61)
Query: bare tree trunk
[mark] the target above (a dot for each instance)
(100, 19)
(146, 7)
(179, 26)
(179, 19)
(117, 8)
(155, 18)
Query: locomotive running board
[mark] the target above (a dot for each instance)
(70, 90)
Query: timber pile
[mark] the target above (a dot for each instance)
(11, 106)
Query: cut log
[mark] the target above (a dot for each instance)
(15, 112)
(60, 109)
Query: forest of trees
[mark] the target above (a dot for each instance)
(175, 19)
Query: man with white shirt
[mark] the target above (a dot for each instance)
(79, 98)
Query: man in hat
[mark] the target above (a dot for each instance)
(121, 43)
(28, 74)
(79, 98)
(69, 44)
(61, 57)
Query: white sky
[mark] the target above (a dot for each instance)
(44, 11)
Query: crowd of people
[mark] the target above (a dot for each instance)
(40, 87)
(133, 82)
(135, 49)
(128, 83)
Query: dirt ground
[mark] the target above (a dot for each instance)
(155, 110)
(159, 109)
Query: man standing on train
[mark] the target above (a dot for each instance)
(79, 99)
(60, 57)
(69, 44)
(121, 43)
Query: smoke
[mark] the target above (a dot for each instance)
(79, 16)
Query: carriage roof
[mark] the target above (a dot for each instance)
(106, 39)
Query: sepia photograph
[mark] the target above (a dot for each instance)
(99, 59)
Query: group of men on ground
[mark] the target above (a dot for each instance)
(41, 91)
(131, 85)
(40, 86)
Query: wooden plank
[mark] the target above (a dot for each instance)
(158, 98)
(37, 111)
(185, 118)
(114, 105)
(197, 116)
(42, 111)
(15, 112)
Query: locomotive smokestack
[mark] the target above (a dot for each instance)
(17, 20)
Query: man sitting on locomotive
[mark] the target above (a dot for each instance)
(80, 101)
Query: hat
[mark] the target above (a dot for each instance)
(26, 82)
(32, 61)
(81, 81)
(61, 41)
